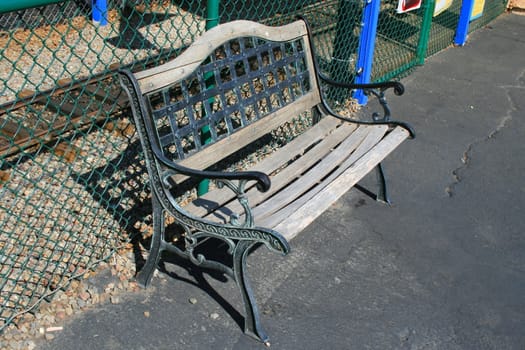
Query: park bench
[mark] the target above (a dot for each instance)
(208, 113)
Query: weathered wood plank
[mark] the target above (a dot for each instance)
(301, 218)
(227, 146)
(220, 197)
(102, 95)
(11, 129)
(179, 68)
(352, 149)
(293, 171)
(373, 137)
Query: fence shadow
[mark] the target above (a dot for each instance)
(130, 38)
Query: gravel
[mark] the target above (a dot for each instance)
(35, 59)
(65, 207)
(81, 295)
(65, 216)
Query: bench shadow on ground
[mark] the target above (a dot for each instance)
(213, 250)
(122, 180)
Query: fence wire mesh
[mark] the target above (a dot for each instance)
(72, 184)
(491, 10)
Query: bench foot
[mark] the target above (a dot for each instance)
(252, 324)
(239, 250)
(146, 273)
(382, 193)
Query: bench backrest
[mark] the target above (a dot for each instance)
(235, 83)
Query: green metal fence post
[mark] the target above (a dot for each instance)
(425, 31)
(212, 20)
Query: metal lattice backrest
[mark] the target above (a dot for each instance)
(216, 93)
(243, 80)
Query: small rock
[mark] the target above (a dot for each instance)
(84, 296)
(49, 336)
(110, 287)
(69, 310)
(114, 299)
(146, 314)
(193, 300)
(81, 304)
(214, 315)
(404, 334)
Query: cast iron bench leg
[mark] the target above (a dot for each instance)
(146, 273)
(382, 194)
(252, 324)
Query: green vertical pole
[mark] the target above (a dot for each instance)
(425, 31)
(212, 14)
(212, 20)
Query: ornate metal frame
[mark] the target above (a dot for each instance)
(213, 80)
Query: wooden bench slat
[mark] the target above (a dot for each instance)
(327, 164)
(292, 171)
(361, 143)
(375, 135)
(227, 146)
(352, 148)
(217, 198)
(302, 217)
(158, 77)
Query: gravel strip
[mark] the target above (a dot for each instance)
(36, 59)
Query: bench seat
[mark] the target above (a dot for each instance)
(308, 175)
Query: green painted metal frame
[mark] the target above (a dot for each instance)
(16, 5)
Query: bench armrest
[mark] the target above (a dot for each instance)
(263, 180)
(399, 89)
(377, 90)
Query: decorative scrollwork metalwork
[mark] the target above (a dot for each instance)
(240, 193)
(380, 94)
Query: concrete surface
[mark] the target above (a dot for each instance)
(442, 268)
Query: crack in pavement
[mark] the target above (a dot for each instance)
(466, 156)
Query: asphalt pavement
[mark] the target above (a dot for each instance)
(443, 267)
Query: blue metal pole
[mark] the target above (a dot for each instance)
(99, 10)
(463, 24)
(365, 54)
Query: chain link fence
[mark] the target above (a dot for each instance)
(444, 24)
(72, 185)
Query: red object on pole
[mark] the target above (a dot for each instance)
(408, 5)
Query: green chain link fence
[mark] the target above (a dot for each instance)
(444, 24)
(72, 186)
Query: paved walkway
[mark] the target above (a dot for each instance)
(443, 268)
